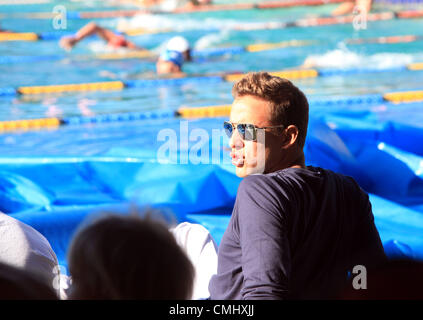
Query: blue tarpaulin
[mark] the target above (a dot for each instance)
(53, 179)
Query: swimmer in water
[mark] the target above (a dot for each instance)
(114, 40)
(170, 5)
(349, 7)
(170, 61)
(172, 58)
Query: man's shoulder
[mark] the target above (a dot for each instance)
(256, 181)
(342, 178)
(297, 177)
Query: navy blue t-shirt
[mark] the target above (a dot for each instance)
(295, 233)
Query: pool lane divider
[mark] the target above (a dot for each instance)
(143, 83)
(29, 124)
(204, 8)
(210, 52)
(306, 22)
(289, 74)
(196, 80)
(146, 54)
(19, 36)
(415, 66)
(94, 86)
(386, 40)
(200, 112)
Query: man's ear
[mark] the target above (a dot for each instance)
(290, 136)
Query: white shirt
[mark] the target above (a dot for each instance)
(201, 249)
(24, 247)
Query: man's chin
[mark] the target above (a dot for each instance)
(240, 172)
(245, 171)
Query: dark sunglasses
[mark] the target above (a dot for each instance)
(247, 131)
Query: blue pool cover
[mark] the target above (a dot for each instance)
(53, 179)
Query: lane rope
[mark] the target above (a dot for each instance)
(291, 74)
(394, 98)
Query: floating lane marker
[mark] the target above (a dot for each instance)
(95, 86)
(29, 124)
(12, 36)
(410, 14)
(143, 31)
(109, 14)
(286, 4)
(289, 74)
(204, 112)
(7, 92)
(271, 46)
(415, 66)
(383, 40)
(407, 96)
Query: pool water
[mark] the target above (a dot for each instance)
(203, 30)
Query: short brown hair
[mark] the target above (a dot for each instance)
(289, 104)
(128, 257)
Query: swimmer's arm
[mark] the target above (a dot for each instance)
(348, 7)
(364, 4)
(344, 8)
(92, 28)
(131, 45)
(86, 31)
(105, 34)
(108, 74)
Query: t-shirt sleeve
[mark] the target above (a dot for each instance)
(263, 240)
(368, 246)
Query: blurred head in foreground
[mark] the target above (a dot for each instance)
(128, 257)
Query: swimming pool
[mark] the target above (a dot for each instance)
(56, 176)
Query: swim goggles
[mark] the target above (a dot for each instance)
(173, 56)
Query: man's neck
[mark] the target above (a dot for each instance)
(295, 162)
(299, 162)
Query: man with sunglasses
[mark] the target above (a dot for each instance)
(296, 231)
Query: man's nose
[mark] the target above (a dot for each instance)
(236, 141)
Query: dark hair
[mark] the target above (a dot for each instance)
(128, 257)
(289, 104)
(20, 284)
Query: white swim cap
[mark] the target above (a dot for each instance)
(178, 43)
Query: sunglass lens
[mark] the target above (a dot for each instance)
(241, 129)
(249, 132)
(228, 128)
